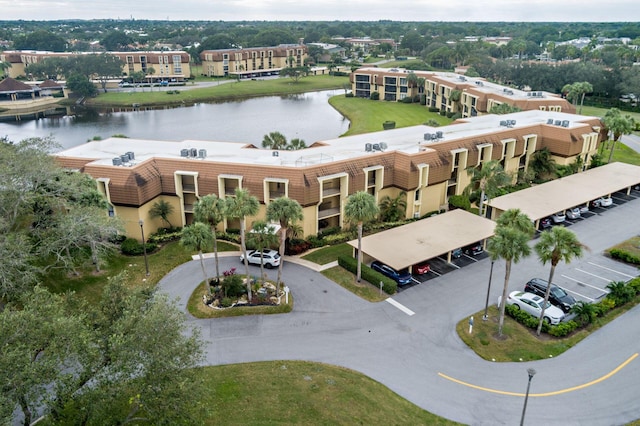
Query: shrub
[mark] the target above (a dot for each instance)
(297, 246)
(332, 230)
(525, 318)
(165, 234)
(131, 247)
(433, 109)
(624, 256)
(563, 329)
(338, 238)
(620, 292)
(389, 286)
(459, 201)
(226, 302)
(315, 241)
(407, 100)
(232, 286)
(635, 284)
(374, 96)
(585, 312)
(604, 306)
(349, 95)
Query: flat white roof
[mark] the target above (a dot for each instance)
(571, 191)
(407, 139)
(424, 239)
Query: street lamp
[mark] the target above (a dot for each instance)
(486, 304)
(144, 246)
(531, 372)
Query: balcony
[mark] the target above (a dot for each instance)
(330, 192)
(188, 187)
(323, 214)
(188, 208)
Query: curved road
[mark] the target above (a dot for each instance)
(421, 357)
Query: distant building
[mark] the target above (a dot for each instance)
(477, 96)
(155, 64)
(329, 50)
(253, 61)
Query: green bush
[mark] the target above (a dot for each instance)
(525, 318)
(164, 235)
(338, 238)
(604, 306)
(226, 302)
(349, 95)
(131, 247)
(232, 286)
(563, 329)
(406, 100)
(433, 109)
(374, 96)
(316, 241)
(331, 230)
(624, 256)
(389, 286)
(635, 284)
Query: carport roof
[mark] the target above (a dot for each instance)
(427, 238)
(574, 190)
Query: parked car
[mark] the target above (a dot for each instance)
(402, 277)
(558, 297)
(456, 254)
(573, 213)
(532, 304)
(473, 249)
(270, 258)
(584, 209)
(602, 202)
(558, 217)
(422, 268)
(545, 223)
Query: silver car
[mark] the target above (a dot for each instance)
(532, 304)
(573, 213)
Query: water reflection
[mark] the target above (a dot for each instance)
(306, 116)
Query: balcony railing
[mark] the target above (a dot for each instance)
(323, 214)
(188, 187)
(330, 192)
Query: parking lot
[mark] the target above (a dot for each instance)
(586, 280)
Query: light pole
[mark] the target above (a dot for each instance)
(144, 246)
(531, 372)
(486, 304)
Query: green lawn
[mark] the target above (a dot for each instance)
(304, 393)
(233, 90)
(367, 115)
(328, 254)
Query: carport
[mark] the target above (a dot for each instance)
(575, 190)
(424, 239)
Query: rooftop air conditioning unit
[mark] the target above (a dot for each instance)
(439, 134)
(131, 155)
(557, 122)
(202, 153)
(124, 158)
(549, 120)
(184, 152)
(275, 153)
(565, 123)
(383, 146)
(368, 147)
(427, 136)
(503, 123)
(194, 152)
(376, 147)
(117, 161)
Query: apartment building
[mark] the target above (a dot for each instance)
(155, 64)
(253, 61)
(428, 164)
(450, 92)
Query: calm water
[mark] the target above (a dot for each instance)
(307, 116)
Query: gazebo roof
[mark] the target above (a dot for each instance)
(11, 85)
(50, 84)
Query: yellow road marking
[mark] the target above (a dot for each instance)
(593, 382)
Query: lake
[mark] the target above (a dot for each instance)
(306, 116)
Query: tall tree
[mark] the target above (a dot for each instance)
(286, 212)
(162, 209)
(511, 244)
(558, 244)
(211, 209)
(198, 237)
(542, 164)
(263, 236)
(576, 91)
(488, 179)
(241, 205)
(296, 144)
(360, 207)
(619, 125)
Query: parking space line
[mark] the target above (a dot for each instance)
(593, 275)
(400, 306)
(435, 273)
(580, 295)
(585, 284)
(612, 270)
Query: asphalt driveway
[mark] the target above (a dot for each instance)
(417, 353)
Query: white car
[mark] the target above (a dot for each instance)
(558, 217)
(602, 202)
(532, 304)
(270, 258)
(573, 213)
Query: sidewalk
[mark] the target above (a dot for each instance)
(293, 259)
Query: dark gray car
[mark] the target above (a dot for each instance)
(558, 297)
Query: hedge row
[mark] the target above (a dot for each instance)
(389, 286)
(624, 256)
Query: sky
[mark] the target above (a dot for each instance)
(327, 10)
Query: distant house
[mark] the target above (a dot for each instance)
(253, 61)
(328, 51)
(51, 88)
(14, 90)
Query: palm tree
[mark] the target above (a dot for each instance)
(393, 209)
(542, 164)
(262, 236)
(162, 209)
(585, 312)
(511, 245)
(286, 212)
(211, 209)
(577, 91)
(555, 245)
(274, 140)
(488, 178)
(239, 207)
(514, 218)
(198, 237)
(4, 66)
(296, 144)
(361, 207)
(619, 125)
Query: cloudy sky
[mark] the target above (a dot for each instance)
(330, 10)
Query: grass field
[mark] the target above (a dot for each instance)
(221, 92)
(367, 115)
(304, 393)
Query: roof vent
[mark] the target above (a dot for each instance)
(368, 147)
(383, 146)
(117, 161)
